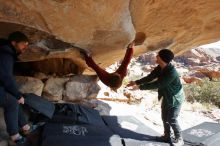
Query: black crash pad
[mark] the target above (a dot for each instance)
(55, 134)
(85, 129)
(76, 114)
(39, 104)
(132, 131)
(205, 134)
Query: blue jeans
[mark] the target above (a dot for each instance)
(169, 117)
(13, 114)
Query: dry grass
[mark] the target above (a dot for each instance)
(207, 92)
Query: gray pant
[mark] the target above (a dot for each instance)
(13, 114)
(169, 117)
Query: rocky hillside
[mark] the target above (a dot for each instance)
(193, 66)
(196, 63)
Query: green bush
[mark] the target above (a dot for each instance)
(204, 92)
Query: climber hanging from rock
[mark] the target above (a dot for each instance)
(114, 80)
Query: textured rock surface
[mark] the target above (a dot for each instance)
(60, 62)
(92, 24)
(53, 89)
(177, 24)
(210, 73)
(30, 85)
(81, 87)
(195, 57)
(191, 79)
(106, 27)
(193, 65)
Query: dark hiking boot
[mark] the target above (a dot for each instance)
(22, 141)
(32, 128)
(178, 141)
(164, 138)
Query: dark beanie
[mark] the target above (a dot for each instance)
(166, 55)
(17, 36)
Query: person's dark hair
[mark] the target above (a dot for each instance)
(115, 81)
(17, 36)
(166, 55)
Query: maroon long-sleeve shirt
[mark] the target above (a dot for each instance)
(103, 75)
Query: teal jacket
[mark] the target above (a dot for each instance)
(168, 84)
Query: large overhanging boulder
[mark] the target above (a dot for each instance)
(106, 27)
(177, 24)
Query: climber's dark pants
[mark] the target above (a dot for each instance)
(169, 117)
(14, 117)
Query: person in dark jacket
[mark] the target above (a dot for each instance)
(166, 79)
(10, 97)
